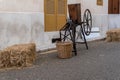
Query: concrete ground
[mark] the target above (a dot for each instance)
(100, 62)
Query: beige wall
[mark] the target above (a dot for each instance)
(31, 21)
(73, 1)
(21, 5)
(22, 21)
(25, 5)
(95, 9)
(38, 5)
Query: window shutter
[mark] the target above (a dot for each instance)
(50, 7)
(50, 15)
(55, 14)
(61, 6)
(61, 13)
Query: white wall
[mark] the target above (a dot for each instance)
(99, 14)
(21, 5)
(114, 21)
(18, 28)
(22, 21)
(73, 1)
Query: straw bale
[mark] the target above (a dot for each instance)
(113, 35)
(108, 39)
(4, 59)
(20, 55)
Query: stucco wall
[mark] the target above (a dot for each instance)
(20, 28)
(22, 21)
(114, 21)
(99, 14)
(21, 5)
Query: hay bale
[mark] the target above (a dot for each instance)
(113, 35)
(4, 59)
(20, 55)
(108, 39)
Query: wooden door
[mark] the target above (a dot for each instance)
(55, 14)
(110, 4)
(116, 6)
(75, 12)
(113, 6)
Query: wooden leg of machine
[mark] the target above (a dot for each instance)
(74, 35)
(84, 38)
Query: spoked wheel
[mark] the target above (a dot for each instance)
(87, 22)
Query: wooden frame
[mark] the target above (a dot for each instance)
(100, 2)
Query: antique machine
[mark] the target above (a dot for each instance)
(76, 26)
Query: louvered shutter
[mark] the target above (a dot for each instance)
(55, 14)
(61, 13)
(50, 15)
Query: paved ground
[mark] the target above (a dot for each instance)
(100, 62)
